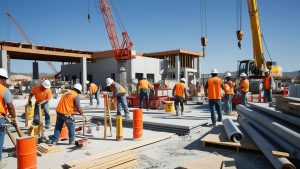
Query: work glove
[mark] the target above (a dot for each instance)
(13, 120)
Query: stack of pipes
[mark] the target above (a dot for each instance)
(271, 132)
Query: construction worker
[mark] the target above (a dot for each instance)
(213, 91)
(68, 105)
(6, 104)
(93, 90)
(120, 93)
(178, 91)
(42, 94)
(267, 85)
(228, 87)
(244, 88)
(144, 87)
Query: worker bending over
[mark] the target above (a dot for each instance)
(228, 87)
(213, 91)
(68, 105)
(120, 93)
(244, 88)
(94, 91)
(268, 85)
(178, 91)
(144, 87)
(6, 104)
(42, 94)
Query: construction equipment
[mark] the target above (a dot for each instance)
(38, 130)
(254, 68)
(50, 64)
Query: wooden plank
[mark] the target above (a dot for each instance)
(127, 147)
(129, 164)
(210, 162)
(282, 154)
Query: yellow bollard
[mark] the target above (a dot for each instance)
(119, 128)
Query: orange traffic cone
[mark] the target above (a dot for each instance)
(251, 97)
(284, 91)
(259, 96)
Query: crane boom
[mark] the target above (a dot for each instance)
(259, 58)
(122, 51)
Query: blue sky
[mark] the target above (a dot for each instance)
(157, 25)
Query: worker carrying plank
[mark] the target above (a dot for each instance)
(6, 104)
(178, 91)
(144, 87)
(42, 94)
(213, 91)
(66, 108)
(228, 87)
(268, 82)
(244, 88)
(120, 93)
(93, 91)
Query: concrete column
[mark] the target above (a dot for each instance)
(199, 60)
(35, 71)
(122, 74)
(83, 73)
(3, 59)
(177, 68)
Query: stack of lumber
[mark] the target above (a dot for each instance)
(123, 160)
(289, 105)
(45, 149)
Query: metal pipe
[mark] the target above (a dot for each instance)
(281, 142)
(233, 133)
(266, 147)
(273, 125)
(271, 111)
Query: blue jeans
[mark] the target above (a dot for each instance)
(215, 103)
(268, 94)
(96, 97)
(45, 107)
(227, 103)
(2, 135)
(122, 102)
(70, 122)
(144, 94)
(244, 98)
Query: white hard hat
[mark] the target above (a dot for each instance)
(109, 81)
(266, 70)
(228, 74)
(78, 87)
(46, 84)
(3, 73)
(182, 79)
(243, 75)
(87, 82)
(214, 70)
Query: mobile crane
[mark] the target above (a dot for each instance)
(254, 68)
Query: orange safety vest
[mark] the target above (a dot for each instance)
(118, 86)
(3, 108)
(179, 89)
(93, 87)
(144, 84)
(267, 84)
(214, 88)
(66, 104)
(39, 94)
(245, 85)
(228, 89)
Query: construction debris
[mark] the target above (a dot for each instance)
(290, 105)
(45, 149)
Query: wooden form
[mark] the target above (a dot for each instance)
(44, 149)
(127, 147)
(210, 162)
(107, 116)
(290, 105)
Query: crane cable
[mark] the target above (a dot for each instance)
(266, 47)
(117, 16)
(204, 26)
(239, 32)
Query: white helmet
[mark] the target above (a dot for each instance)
(87, 82)
(228, 74)
(214, 70)
(46, 84)
(266, 70)
(78, 87)
(3, 73)
(243, 75)
(109, 81)
(182, 79)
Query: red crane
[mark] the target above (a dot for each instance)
(122, 51)
(50, 64)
